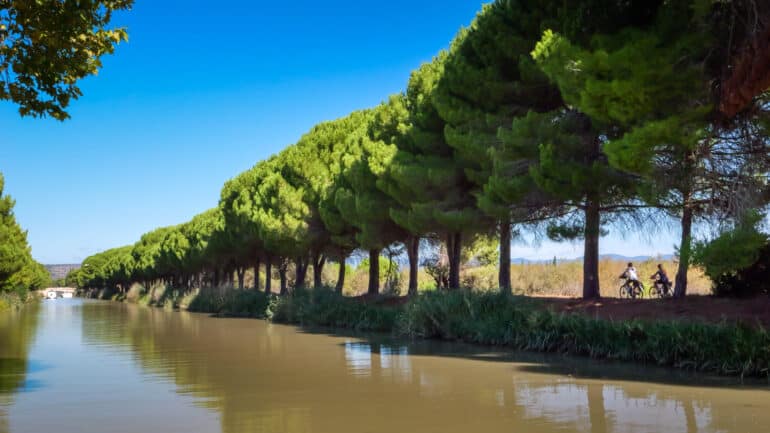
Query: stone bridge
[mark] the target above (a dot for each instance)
(58, 292)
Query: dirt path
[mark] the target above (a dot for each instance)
(705, 308)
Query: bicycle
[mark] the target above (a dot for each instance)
(661, 289)
(631, 289)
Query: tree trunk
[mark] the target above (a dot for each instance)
(374, 272)
(256, 274)
(282, 275)
(597, 415)
(454, 249)
(340, 277)
(268, 275)
(301, 272)
(504, 275)
(318, 266)
(680, 285)
(413, 252)
(691, 421)
(591, 251)
(241, 277)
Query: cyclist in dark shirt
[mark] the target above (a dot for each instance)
(662, 277)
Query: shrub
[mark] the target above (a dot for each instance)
(234, 303)
(324, 307)
(737, 260)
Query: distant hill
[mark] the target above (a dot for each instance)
(618, 257)
(613, 257)
(60, 271)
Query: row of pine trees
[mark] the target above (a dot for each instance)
(562, 118)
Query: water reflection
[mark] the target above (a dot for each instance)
(257, 377)
(17, 332)
(358, 357)
(388, 361)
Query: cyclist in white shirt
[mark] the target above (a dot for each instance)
(631, 275)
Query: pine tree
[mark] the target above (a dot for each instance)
(441, 203)
(18, 270)
(489, 79)
(362, 202)
(392, 138)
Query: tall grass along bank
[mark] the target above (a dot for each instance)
(15, 299)
(511, 321)
(520, 323)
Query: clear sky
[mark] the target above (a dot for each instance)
(201, 93)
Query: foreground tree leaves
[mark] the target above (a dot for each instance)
(46, 47)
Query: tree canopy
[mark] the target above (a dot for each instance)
(46, 47)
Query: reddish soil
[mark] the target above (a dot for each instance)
(702, 308)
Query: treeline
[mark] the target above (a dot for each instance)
(565, 118)
(19, 272)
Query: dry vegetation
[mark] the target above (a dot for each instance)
(565, 278)
(534, 279)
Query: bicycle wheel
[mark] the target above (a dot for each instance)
(638, 291)
(625, 291)
(655, 291)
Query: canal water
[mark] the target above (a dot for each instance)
(88, 366)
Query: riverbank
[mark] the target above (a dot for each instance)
(521, 323)
(13, 300)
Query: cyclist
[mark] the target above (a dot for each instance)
(631, 276)
(661, 277)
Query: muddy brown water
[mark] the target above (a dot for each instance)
(88, 366)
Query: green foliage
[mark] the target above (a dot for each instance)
(489, 79)
(482, 250)
(324, 307)
(13, 241)
(233, 303)
(731, 252)
(14, 300)
(47, 46)
(521, 323)
(18, 270)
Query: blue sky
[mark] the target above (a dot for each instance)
(201, 93)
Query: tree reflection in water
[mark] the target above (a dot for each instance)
(17, 332)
